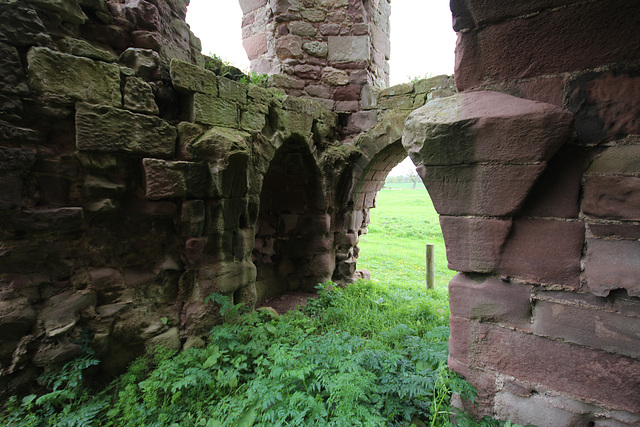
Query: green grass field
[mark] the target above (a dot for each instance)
(394, 250)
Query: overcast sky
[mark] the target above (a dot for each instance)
(422, 41)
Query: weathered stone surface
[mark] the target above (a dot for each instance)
(48, 220)
(231, 90)
(490, 300)
(316, 48)
(251, 5)
(255, 46)
(79, 47)
(335, 77)
(621, 159)
(474, 244)
(144, 62)
(68, 10)
(17, 317)
(485, 127)
(169, 340)
(612, 264)
(214, 111)
(597, 329)
(12, 76)
(138, 96)
(111, 130)
(226, 277)
(61, 311)
(192, 218)
(21, 25)
(349, 48)
(302, 28)
(289, 47)
(79, 79)
(170, 179)
(218, 144)
(478, 189)
(544, 251)
(15, 161)
(612, 197)
(575, 368)
(190, 78)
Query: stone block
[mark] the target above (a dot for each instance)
(144, 62)
(138, 97)
(478, 189)
(588, 326)
(17, 318)
(111, 130)
(192, 218)
(474, 244)
(58, 220)
(621, 231)
(302, 28)
(620, 159)
(217, 144)
(21, 25)
(362, 121)
(72, 77)
(169, 340)
(488, 299)
(292, 122)
(12, 76)
(255, 46)
(485, 127)
(252, 120)
(251, 5)
(587, 43)
(544, 251)
(349, 48)
(68, 10)
(171, 179)
(316, 48)
(612, 264)
(191, 78)
(612, 197)
(557, 192)
(61, 312)
(232, 91)
(600, 377)
(16, 161)
(226, 277)
(288, 47)
(214, 111)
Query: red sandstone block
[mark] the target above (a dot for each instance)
(624, 231)
(544, 251)
(557, 192)
(255, 46)
(587, 326)
(490, 299)
(606, 379)
(613, 264)
(569, 39)
(612, 197)
(474, 244)
(347, 93)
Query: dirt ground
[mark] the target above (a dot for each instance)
(287, 301)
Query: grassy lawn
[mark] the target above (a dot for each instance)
(394, 250)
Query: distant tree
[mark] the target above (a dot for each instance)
(413, 177)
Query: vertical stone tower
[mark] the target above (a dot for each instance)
(334, 51)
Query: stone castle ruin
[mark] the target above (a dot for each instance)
(134, 183)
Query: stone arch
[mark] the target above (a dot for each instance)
(292, 247)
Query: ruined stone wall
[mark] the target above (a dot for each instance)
(131, 186)
(546, 312)
(334, 51)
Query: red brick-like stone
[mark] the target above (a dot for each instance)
(347, 93)
(588, 35)
(557, 191)
(474, 244)
(544, 251)
(255, 46)
(587, 326)
(624, 231)
(607, 379)
(612, 197)
(613, 264)
(482, 190)
(490, 299)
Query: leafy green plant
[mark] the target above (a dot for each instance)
(254, 78)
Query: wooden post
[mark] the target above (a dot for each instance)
(431, 266)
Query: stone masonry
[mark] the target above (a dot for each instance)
(134, 183)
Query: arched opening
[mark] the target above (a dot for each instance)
(293, 248)
(400, 221)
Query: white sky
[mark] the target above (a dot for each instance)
(422, 40)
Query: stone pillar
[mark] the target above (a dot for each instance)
(334, 51)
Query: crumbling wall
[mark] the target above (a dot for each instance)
(131, 185)
(542, 225)
(334, 51)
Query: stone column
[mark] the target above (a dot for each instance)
(334, 51)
